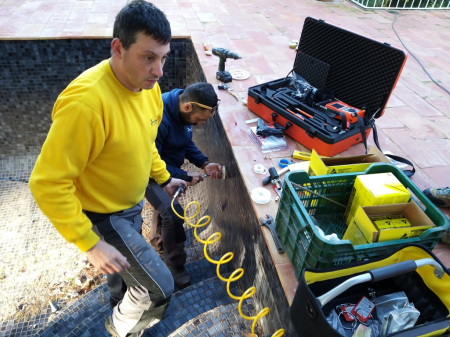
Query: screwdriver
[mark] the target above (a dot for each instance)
(273, 174)
(223, 86)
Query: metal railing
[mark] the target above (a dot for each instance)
(404, 4)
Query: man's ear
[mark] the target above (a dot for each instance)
(187, 107)
(116, 48)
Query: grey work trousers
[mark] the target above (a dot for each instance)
(149, 283)
(172, 234)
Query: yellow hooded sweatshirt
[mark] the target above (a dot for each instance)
(99, 152)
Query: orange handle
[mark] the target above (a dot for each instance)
(304, 113)
(296, 115)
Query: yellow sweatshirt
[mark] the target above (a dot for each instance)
(99, 152)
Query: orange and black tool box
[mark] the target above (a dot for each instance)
(340, 83)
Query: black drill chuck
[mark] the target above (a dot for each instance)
(225, 54)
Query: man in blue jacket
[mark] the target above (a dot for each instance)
(182, 109)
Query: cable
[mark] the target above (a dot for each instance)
(395, 19)
(236, 275)
(317, 194)
(289, 73)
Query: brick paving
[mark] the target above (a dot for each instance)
(417, 121)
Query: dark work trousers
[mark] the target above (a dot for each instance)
(172, 230)
(149, 283)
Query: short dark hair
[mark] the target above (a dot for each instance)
(200, 92)
(141, 16)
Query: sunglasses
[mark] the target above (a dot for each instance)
(213, 109)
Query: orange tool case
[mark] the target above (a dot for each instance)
(340, 83)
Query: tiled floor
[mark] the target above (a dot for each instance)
(416, 123)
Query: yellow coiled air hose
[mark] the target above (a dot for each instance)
(236, 275)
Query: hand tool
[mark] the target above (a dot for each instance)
(304, 113)
(295, 114)
(268, 179)
(180, 189)
(205, 175)
(223, 86)
(348, 110)
(291, 167)
(324, 121)
(302, 155)
(327, 120)
(321, 122)
(275, 180)
(270, 223)
(286, 98)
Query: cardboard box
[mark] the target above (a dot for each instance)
(321, 166)
(367, 230)
(354, 234)
(375, 189)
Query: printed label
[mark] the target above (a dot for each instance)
(363, 309)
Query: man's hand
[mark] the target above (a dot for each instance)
(172, 187)
(214, 170)
(196, 178)
(106, 258)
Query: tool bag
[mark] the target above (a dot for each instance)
(412, 269)
(342, 82)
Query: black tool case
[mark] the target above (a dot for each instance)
(355, 70)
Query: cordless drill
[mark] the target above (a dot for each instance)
(221, 74)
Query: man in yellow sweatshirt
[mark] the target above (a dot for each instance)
(95, 164)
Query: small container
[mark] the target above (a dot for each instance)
(293, 44)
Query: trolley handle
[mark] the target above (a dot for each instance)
(378, 274)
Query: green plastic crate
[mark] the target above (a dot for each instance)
(299, 211)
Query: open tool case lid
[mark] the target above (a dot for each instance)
(361, 72)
